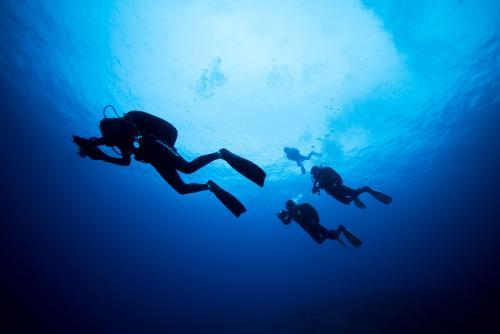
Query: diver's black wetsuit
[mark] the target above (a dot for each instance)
(307, 217)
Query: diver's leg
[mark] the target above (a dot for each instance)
(379, 196)
(191, 167)
(311, 154)
(302, 169)
(330, 234)
(318, 238)
(347, 191)
(339, 196)
(173, 179)
(353, 195)
(335, 234)
(364, 189)
(315, 233)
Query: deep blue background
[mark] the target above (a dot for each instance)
(88, 247)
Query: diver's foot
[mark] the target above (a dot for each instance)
(211, 185)
(358, 203)
(336, 233)
(223, 153)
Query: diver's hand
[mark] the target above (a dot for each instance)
(82, 144)
(80, 141)
(315, 190)
(86, 148)
(283, 215)
(95, 141)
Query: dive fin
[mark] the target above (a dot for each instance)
(302, 169)
(245, 167)
(229, 201)
(359, 203)
(380, 196)
(353, 240)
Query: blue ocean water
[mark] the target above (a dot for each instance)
(403, 96)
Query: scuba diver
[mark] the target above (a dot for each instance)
(329, 180)
(293, 154)
(151, 140)
(307, 217)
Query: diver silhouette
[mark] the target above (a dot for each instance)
(329, 180)
(308, 219)
(293, 154)
(152, 140)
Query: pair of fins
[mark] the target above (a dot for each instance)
(246, 168)
(378, 195)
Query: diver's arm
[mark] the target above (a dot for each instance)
(315, 187)
(98, 154)
(88, 148)
(92, 141)
(96, 141)
(123, 161)
(303, 158)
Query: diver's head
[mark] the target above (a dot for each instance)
(290, 205)
(116, 131)
(287, 150)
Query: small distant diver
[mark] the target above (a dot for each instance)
(308, 219)
(328, 179)
(293, 154)
(152, 140)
